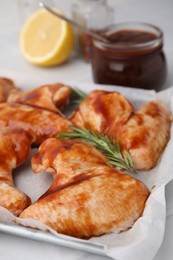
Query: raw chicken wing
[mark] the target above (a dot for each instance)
(102, 109)
(144, 133)
(88, 197)
(38, 123)
(48, 97)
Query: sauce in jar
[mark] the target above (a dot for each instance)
(134, 57)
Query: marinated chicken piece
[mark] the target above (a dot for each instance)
(87, 197)
(14, 150)
(7, 89)
(49, 154)
(144, 133)
(49, 97)
(38, 123)
(102, 108)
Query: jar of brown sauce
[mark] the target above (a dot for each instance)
(133, 56)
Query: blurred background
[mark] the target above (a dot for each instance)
(11, 20)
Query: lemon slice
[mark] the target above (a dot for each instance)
(46, 40)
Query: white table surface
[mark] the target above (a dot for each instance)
(158, 12)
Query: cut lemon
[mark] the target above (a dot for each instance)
(46, 40)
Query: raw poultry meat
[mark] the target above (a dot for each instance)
(144, 133)
(36, 111)
(88, 197)
(102, 108)
(38, 123)
(14, 150)
(7, 89)
(28, 125)
(50, 97)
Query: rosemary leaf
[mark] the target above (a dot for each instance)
(77, 96)
(105, 144)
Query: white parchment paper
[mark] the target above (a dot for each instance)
(143, 240)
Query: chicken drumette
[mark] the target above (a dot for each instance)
(14, 150)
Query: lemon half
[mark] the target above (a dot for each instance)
(46, 40)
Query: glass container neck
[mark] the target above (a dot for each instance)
(132, 38)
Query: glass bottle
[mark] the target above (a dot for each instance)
(94, 15)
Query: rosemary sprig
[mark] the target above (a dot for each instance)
(77, 96)
(103, 143)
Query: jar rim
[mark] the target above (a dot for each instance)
(140, 26)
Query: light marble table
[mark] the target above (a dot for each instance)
(158, 12)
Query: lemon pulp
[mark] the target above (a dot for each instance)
(45, 39)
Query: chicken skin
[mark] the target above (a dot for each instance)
(102, 108)
(50, 97)
(28, 125)
(7, 89)
(88, 197)
(14, 150)
(144, 133)
(38, 123)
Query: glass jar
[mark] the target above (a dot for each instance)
(134, 57)
(94, 15)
